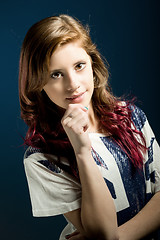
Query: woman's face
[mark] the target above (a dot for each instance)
(71, 76)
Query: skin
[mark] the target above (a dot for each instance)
(71, 75)
(71, 87)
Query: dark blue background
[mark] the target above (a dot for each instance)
(127, 34)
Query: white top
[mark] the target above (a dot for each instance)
(54, 191)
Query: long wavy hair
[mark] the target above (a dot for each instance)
(44, 117)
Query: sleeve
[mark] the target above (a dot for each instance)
(152, 158)
(152, 164)
(52, 192)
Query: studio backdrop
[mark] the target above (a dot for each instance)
(126, 34)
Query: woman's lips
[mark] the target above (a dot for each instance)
(76, 98)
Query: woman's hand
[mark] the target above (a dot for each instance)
(75, 123)
(76, 236)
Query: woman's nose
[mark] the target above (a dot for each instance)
(72, 82)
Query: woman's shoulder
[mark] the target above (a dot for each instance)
(137, 114)
(39, 159)
(35, 156)
(30, 151)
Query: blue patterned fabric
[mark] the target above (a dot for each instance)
(138, 117)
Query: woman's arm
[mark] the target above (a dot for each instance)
(97, 217)
(98, 213)
(144, 223)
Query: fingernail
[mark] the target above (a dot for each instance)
(86, 108)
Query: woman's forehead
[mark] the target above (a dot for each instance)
(70, 52)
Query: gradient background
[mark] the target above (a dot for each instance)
(127, 34)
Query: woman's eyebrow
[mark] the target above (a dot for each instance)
(74, 64)
(56, 70)
(79, 61)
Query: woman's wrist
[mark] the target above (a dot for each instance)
(83, 154)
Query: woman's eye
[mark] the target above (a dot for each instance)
(56, 75)
(80, 66)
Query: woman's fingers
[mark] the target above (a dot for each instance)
(75, 236)
(76, 118)
(71, 235)
(73, 110)
(78, 124)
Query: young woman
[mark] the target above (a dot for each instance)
(91, 157)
